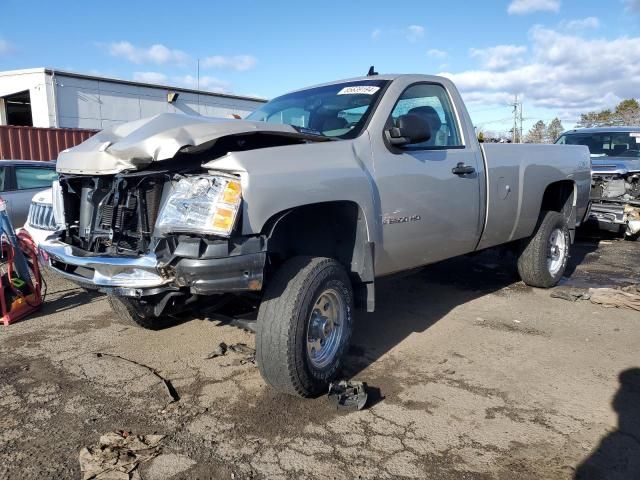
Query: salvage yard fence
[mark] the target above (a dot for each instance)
(33, 143)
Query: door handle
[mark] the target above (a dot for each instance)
(462, 169)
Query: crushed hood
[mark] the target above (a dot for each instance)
(134, 145)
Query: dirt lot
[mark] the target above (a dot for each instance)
(479, 376)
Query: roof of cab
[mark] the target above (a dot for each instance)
(619, 129)
(383, 77)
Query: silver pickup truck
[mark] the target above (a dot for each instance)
(299, 208)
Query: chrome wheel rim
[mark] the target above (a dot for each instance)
(557, 251)
(325, 328)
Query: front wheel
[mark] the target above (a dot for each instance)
(543, 258)
(133, 311)
(304, 325)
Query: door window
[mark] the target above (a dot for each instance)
(3, 176)
(431, 102)
(34, 177)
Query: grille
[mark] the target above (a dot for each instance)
(41, 216)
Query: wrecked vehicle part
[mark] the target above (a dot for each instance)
(348, 395)
(615, 176)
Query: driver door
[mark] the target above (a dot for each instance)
(429, 212)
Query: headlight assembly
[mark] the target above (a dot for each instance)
(201, 204)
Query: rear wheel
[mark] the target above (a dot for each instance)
(135, 312)
(304, 325)
(543, 258)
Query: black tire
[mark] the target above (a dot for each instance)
(632, 238)
(284, 319)
(133, 312)
(533, 264)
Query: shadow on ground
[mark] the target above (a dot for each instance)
(618, 453)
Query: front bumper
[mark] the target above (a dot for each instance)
(101, 270)
(143, 275)
(616, 216)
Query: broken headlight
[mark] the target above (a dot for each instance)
(201, 204)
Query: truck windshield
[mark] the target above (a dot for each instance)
(608, 144)
(339, 111)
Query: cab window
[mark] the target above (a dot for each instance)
(431, 102)
(34, 177)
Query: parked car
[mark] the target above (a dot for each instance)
(615, 185)
(19, 181)
(301, 207)
(41, 220)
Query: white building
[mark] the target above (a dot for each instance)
(42, 97)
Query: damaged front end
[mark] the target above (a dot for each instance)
(143, 219)
(615, 196)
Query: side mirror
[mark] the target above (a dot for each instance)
(409, 129)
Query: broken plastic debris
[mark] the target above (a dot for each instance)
(348, 394)
(219, 351)
(569, 295)
(117, 455)
(621, 297)
(242, 348)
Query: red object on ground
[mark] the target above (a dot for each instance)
(14, 303)
(34, 143)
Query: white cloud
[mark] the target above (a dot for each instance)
(435, 53)
(413, 33)
(581, 24)
(376, 33)
(633, 5)
(157, 53)
(206, 82)
(523, 7)
(150, 77)
(240, 63)
(5, 47)
(564, 73)
(499, 57)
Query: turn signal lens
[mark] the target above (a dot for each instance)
(232, 193)
(223, 219)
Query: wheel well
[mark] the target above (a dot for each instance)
(559, 197)
(330, 229)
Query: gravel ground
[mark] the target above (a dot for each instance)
(476, 376)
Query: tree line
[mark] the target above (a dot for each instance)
(627, 112)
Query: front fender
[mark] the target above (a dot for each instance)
(278, 179)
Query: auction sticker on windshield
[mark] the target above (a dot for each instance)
(359, 89)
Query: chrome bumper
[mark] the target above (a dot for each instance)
(100, 270)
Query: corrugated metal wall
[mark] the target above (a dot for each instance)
(30, 143)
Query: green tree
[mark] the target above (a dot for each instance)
(627, 112)
(603, 118)
(537, 134)
(554, 130)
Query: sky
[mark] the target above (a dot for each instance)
(562, 57)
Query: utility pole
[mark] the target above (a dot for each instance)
(516, 132)
(198, 85)
(521, 132)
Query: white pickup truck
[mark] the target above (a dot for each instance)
(301, 206)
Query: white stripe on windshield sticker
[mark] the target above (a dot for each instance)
(359, 89)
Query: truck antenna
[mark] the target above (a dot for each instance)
(372, 71)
